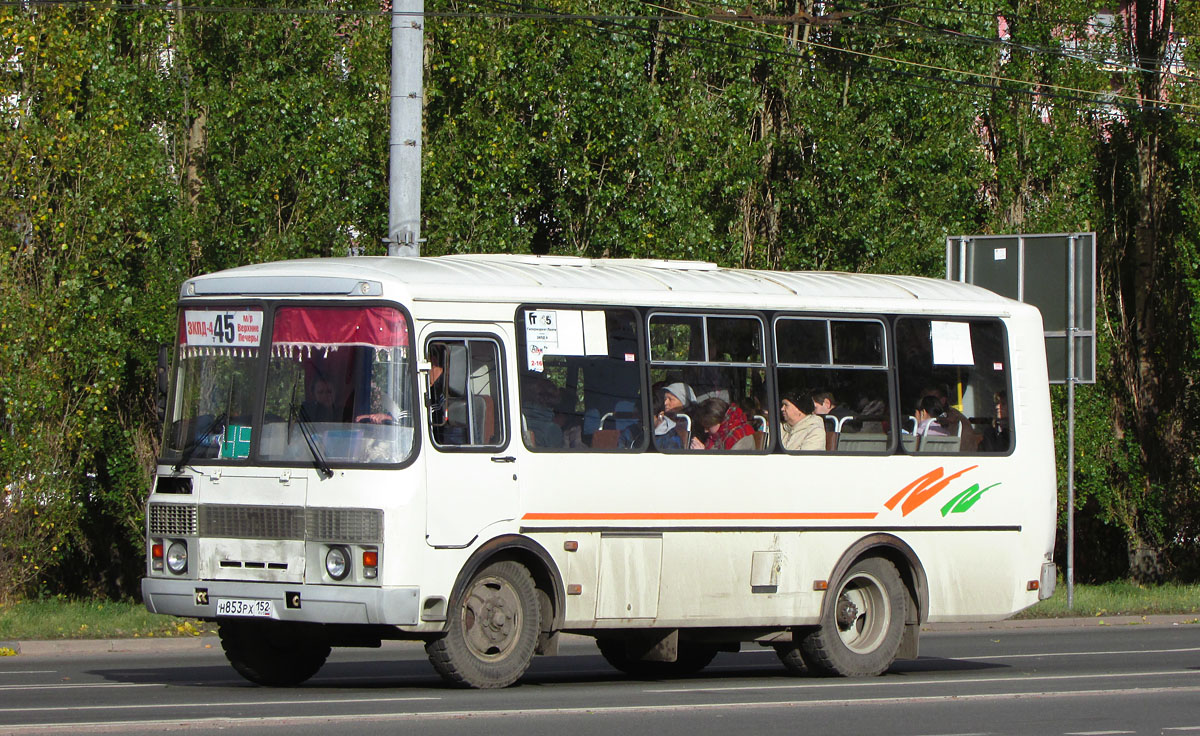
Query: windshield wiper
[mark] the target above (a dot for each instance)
(199, 441)
(314, 447)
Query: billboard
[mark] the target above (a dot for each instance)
(1054, 272)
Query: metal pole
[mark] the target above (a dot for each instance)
(404, 166)
(1071, 247)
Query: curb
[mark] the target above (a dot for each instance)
(64, 647)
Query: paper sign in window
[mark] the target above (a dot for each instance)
(951, 343)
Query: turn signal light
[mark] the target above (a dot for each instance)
(1031, 585)
(156, 551)
(370, 558)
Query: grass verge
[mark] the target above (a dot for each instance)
(1118, 599)
(57, 618)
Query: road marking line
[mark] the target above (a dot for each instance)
(1181, 728)
(576, 710)
(810, 685)
(1095, 733)
(1077, 654)
(59, 685)
(148, 706)
(28, 672)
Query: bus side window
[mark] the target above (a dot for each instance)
(581, 385)
(956, 371)
(842, 364)
(464, 399)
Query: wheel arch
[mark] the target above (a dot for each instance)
(900, 554)
(527, 552)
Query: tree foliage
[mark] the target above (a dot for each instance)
(143, 145)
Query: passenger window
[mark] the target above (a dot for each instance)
(581, 386)
(834, 370)
(708, 377)
(465, 396)
(954, 385)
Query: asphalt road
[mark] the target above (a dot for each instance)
(1139, 678)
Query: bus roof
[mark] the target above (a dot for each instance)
(521, 278)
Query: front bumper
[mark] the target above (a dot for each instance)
(325, 604)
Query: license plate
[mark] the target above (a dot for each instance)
(247, 608)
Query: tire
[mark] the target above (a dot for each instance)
(860, 631)
(693, 657)
(492, 631)
(274, 654)
(792, 658)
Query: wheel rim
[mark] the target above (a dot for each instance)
(862, 614)
(491, 617)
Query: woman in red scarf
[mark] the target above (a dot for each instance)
(728, 428)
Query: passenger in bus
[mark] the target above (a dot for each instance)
(872, 416)
(319, 406)
(957, 422)
(538, 399)
(670, 429)
(997, 436)
(726, 425)
(825, 404)
(802, 428)
(931, 420)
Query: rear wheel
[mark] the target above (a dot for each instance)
(792, 658)
(493, 631)
(693, 657)
(274, 653)
(860, 632)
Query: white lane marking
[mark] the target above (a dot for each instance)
(808, 684)
(1095, 733)
(28, 672)
(69, 685)
(1077, 654)
(591, 711)
(256, 703)
(1181, 728)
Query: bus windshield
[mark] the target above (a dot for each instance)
(334, 383)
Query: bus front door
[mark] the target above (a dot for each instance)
(471, 473)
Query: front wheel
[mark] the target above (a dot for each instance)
(492, 631)
(860, 632)
(270, 653)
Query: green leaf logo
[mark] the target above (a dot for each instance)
(965, 500)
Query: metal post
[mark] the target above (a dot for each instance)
(404, 167)
(1071, 247)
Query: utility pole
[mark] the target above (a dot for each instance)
(404, 164)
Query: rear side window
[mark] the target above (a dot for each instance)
(954, 385)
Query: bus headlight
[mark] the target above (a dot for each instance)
(177, 557)
(337, 563)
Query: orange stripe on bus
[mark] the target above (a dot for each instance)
(697, 516)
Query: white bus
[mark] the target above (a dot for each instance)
(479, 451)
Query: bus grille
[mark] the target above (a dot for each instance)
(252, 522)
(344, 525)
(172, 519)
(353, 526)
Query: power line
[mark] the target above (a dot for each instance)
(1103, 96)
